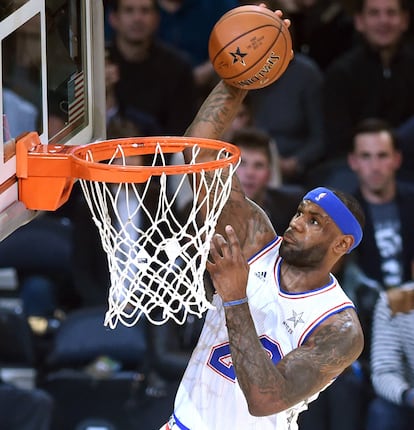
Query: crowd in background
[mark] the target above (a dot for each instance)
(342, 116)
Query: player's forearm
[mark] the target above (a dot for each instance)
(262, 384)
(216, 113)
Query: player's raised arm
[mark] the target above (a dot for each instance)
(214, 116)
(217, 112)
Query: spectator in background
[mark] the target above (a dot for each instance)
(255, 173)
(386, 257)
(386, 254)
(187, 24)
(374, 79)
(392, 361)
(154, 79)
(321, 29)
(137, 122)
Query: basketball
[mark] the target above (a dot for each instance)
(250, 47)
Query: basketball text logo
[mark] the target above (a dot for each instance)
(261, 75)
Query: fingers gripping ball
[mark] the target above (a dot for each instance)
(250, 47)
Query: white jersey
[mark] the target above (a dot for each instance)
(209, 396)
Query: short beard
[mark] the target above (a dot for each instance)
(304, 258)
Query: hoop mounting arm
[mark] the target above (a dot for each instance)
(44, 173)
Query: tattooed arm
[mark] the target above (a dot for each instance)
(270, 388)
(217, 112)
(250, 222)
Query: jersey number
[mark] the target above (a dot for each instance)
(220, 358)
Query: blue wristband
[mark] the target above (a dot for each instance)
(235, 302)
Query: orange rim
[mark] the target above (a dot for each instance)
(96, 170)
(46, 173)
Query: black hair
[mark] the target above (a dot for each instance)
(375, 125)
(253, 138)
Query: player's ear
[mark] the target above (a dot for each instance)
(343, 244)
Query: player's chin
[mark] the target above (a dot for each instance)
(288, 248)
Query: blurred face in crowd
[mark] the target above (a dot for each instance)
(375, 161)
(135, 21)
(254, 172)
(382, 22)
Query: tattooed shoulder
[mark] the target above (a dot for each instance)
(339, 340)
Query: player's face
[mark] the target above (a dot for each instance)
(375, 162)
(309, 236)
(135, 21)
(382, 22)
(253, 172)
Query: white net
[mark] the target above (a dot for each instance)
(156, 255)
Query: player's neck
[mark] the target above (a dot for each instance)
(294, 279)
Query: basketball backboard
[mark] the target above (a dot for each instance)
(52, 82)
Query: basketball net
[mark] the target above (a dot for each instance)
(156, 258)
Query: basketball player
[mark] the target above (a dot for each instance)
(283, 329)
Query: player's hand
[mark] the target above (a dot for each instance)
(227, 266)
(286, 21)
(279, 13)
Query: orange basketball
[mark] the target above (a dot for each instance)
(250, 47)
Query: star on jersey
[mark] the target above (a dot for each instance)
(238, 56)
(296, 318)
